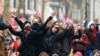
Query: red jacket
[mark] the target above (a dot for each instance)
(83, 40)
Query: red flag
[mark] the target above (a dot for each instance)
(16, 46)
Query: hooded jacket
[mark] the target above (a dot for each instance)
(91, 33)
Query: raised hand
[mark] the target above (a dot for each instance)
(12, 15)
(37, 14)
(49, 24)
(54, 13)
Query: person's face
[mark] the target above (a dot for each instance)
(79, 27)
(27, 28)
(62, 24)
(27, 25)
(92, 27)
(96, 54)
(55, 29)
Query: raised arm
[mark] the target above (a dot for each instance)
(49, 19)
(14, 32)
(62, 34)
(17, 20)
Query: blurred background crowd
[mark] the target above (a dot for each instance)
(49, 28)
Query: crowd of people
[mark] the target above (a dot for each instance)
(51, 38)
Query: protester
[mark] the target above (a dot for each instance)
(80, 40)
(24, 34)
(96, 53)
(91, 33)
(52, 35)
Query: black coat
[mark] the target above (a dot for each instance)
(20, 23)
(34, 40)
(50, 39)
(66, 42)
(25, 45)
(98, 40)
(36, 37)
(25, 49)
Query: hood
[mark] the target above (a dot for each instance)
(91, 22)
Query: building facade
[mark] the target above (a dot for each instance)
(28, 7)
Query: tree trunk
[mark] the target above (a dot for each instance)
(43, 10)
(70, 7)
(6, 11)
(82, 9)
(18, 8)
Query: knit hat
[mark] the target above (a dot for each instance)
(3, 26)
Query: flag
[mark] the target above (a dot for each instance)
(85, 16)
(16, 47)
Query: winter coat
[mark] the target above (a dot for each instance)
(50, 39)
(20, 23)
(97, 40)
(25, 45)
(25, 49)
(37, 39)
(81, 44)
(91, 38)
(66, 41)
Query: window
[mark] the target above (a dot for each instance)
(77, 4)
(14, 4)
(34, 4)
(22, 4)
(29, 4)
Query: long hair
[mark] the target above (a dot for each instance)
(39, 19)
(93, 32)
